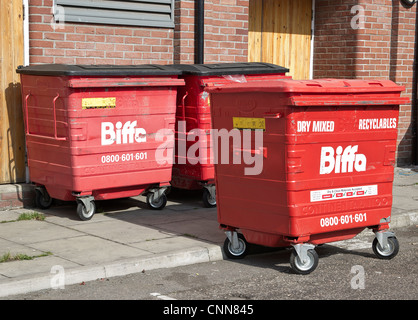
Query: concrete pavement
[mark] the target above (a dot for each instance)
(126, 237)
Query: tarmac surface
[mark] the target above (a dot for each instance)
(125, 237)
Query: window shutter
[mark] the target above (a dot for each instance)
(150, 13)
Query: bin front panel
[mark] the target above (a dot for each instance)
(83, 137)
(328, 156)
(339, 173)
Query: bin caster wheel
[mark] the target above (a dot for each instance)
(305, 266)
(241, 249)
(208, 200)
(42, 199)
(389, 251)
(83, 212)
(156, 204)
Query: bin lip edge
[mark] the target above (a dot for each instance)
(220, 69)
(97, 70)
(299, 86)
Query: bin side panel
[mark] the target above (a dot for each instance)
(250, 201)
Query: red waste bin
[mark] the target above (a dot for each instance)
(328, 156)
(195, 170)
(91, 131)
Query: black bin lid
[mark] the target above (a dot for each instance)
(220, 69)
(98, 70)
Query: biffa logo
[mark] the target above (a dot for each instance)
(341, 161)
(127, 133)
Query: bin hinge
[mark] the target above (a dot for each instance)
(86, 201)
(385, 220)
(158, 192)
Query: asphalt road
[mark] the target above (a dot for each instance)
(347, 271)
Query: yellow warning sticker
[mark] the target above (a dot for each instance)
(94, 103)
(249, 123)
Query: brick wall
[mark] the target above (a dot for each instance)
(16, 195)
(225, 31)
(335, 41)
(79, 43)
(226, 24)
(401, 71)
(381, 48)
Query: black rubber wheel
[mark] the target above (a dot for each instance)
(82, 212)
(387, 253)
(156, 205)
(208, 200)
(42, 199)
(239, 253)
(304, 268)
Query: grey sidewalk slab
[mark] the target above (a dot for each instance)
(11, 215)
(203, 229)
(405, 197)
(87, 249)
(18, 269)
(122, 231)
(167, 245)
(14, 248)
(33, 231)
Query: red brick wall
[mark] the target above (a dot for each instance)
(184, 31)
(226, 24)
(383, 48)
(401, 71)
(225, 31)
(335, 42)
(77, 43)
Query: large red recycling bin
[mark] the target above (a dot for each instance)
(328, 156)
(91, 131)
(195, 170)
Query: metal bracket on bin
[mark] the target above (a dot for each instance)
(233, 239)
(42, 190)
(212, 190)
(86, 200)
(382, 237)
(158, 192)
(302, 250)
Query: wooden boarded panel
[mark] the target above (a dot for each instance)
(12, 139)
(279, 32)
(254, 32)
